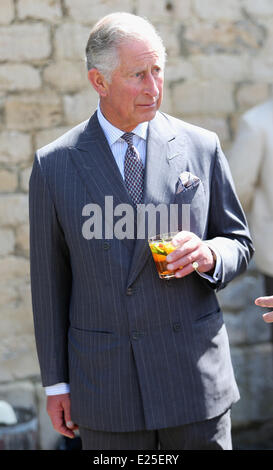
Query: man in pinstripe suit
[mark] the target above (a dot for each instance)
(136, 362)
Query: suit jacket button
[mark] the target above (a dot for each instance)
(106, 246)
(129, 291)
(136, 335)
(177, 326)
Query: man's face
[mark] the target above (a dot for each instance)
(136, 89)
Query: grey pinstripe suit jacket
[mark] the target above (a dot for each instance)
(137, 351)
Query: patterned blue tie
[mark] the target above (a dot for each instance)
(133, 170)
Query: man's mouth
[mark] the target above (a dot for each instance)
(148, 105)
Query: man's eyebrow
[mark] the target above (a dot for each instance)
(135, 70)
(142, 68)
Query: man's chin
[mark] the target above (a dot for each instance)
(147, 113)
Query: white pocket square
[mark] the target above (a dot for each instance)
(186, 180)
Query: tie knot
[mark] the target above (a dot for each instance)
(128, 137)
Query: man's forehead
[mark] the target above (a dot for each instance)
(139, 51)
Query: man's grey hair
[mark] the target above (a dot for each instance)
(108, 34)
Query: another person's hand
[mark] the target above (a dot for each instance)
(266, 302)
(190, 249)
(58, 408)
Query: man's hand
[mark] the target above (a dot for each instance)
(190, 248)
(58, 408)
(266, 302)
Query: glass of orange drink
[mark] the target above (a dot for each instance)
(161, 245)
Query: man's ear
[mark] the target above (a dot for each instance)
(98, 82)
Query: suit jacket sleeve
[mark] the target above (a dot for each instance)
(50, 280)
(228, 230)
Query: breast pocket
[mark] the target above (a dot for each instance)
(192, 208)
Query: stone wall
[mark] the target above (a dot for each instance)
(220, 64)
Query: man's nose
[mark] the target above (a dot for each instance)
(151, 87)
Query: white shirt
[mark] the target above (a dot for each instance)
(119, 147)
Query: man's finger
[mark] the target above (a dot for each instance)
(185, 261)
(67, 416)
(266, 301)
(188, 247)
(57, 419)
(181, 237)
(268, 317)
(184, 271)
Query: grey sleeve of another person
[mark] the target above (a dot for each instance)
(245, 156)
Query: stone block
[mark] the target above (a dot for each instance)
(203, 97)
(154, 10)
(33, 111)
(49, 135)
(49, 10)
(15, 147)
(7, 241)
(2, 103)
(260, 8)
(234, 121)
(251, 94)
(179, 69)
(167, 105)
(8, 291)
(16, 315)
(261, 69)
(18, 358)
(210, 10)
(8, 181)
(80, 106)
(212, 123)
(169, 34)
(267, 49)
(24, 177)
(70, 41)
(19, 77)
(67, 76)
(84, 11)
(22, 238)
(232, 68)
(7, 11)
(253, 371)
(221, 37)
(14, 267)
(181, 10)
(20, 42)
(13, 209)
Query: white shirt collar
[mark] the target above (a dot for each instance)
(112, 133)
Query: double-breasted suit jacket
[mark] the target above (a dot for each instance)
(138, 352)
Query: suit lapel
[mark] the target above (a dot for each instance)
(163, 161)
(98, 170)
(99, 164)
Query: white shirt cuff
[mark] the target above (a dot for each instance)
(57, 389)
